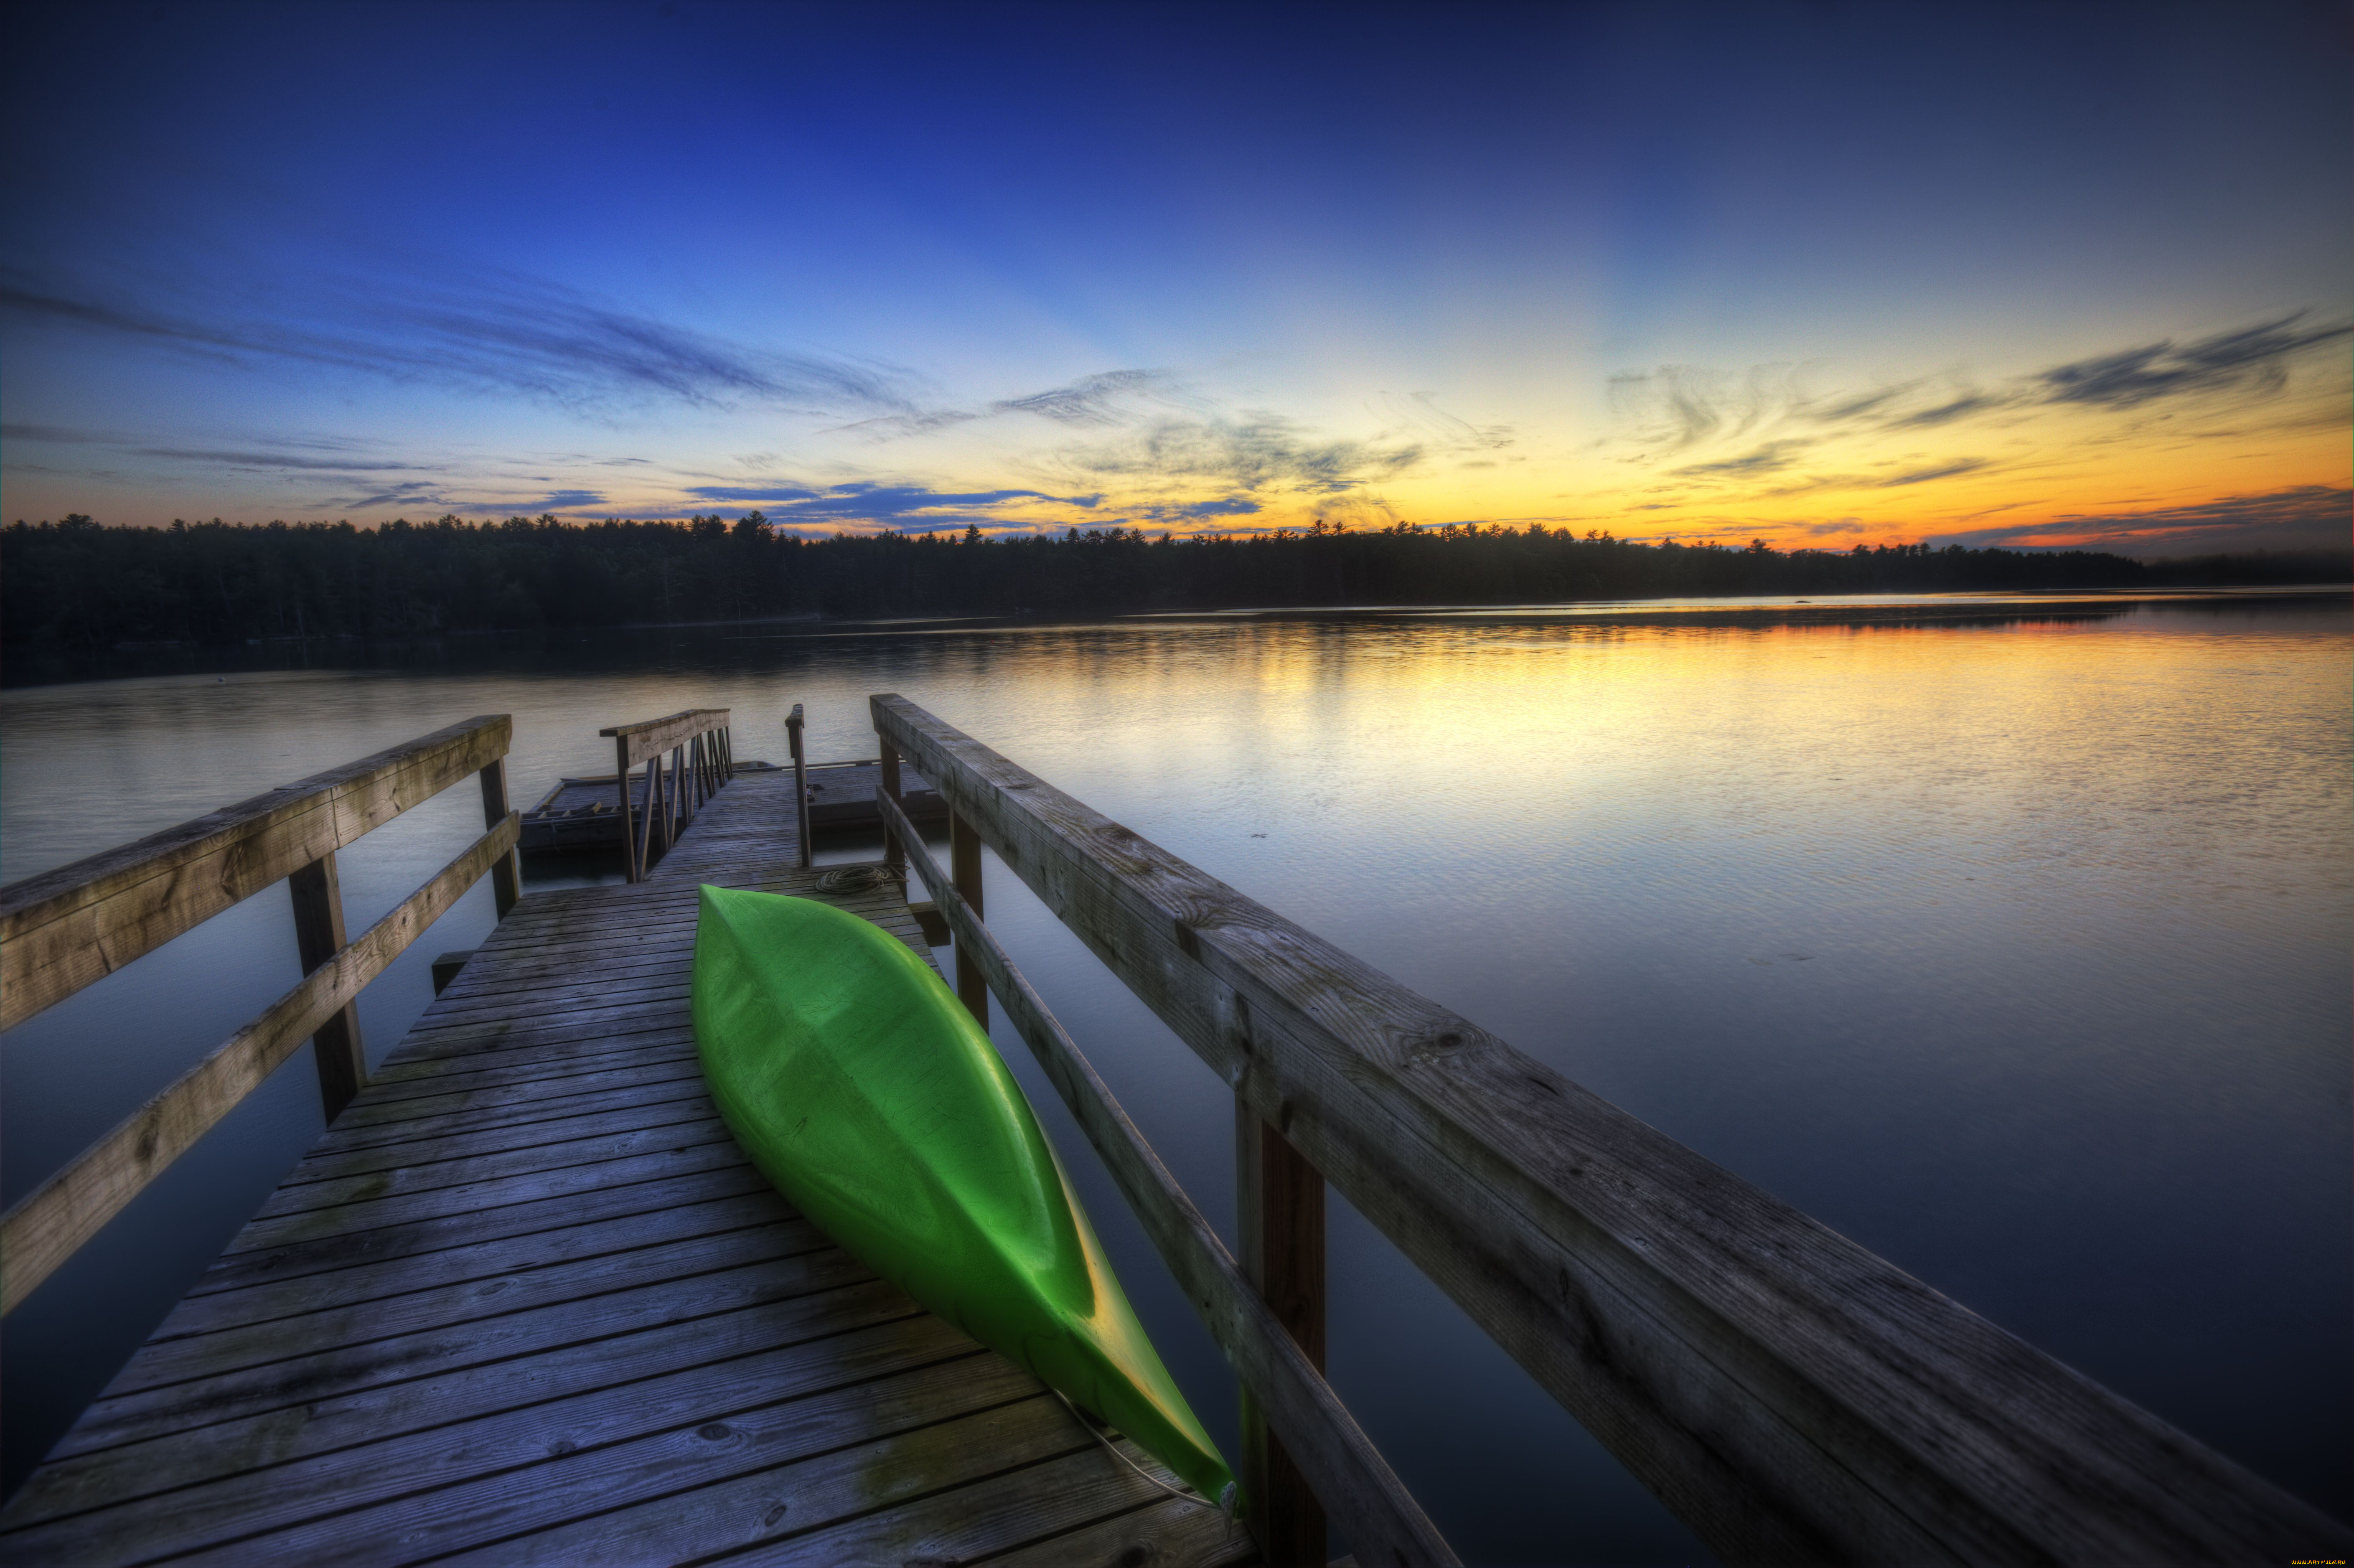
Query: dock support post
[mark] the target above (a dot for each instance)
(793, 723)
(319, 937)
(895, 854)
(506, 876)
(633, 868)
(964, 871)
(1280, 1227)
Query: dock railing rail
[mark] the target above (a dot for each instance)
(1790, 1395)
(67, 929)
(688, 757)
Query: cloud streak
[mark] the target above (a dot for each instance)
(2301, 517)
(504, 334)
(2250, 361)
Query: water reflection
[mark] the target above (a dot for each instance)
(2008, 938)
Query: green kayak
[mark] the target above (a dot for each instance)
(862, 1088)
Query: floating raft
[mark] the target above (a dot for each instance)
(584, 813)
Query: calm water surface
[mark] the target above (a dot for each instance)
(2011, 942)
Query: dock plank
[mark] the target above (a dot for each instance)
(526, 1300)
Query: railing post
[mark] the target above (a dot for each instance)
(319, 937)
(964, 873)
(793, 723)
(506, 876)
(634, 870)
(1280, 1227)
(894, 852)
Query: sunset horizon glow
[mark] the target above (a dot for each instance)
(1818, 277)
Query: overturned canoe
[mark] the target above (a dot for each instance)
(862, 1088)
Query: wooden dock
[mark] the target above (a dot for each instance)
(583, 814)
(527, 1302)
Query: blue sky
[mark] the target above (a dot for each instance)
(1820, 273)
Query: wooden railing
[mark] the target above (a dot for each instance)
(62, 930)
(1790, 1395)
(687, 757)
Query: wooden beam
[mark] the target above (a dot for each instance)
(652, 737)
(793, 725)
(964, 869)
(65, 928)
(506, 877)
(57, 1217)
(895, 853)
(1790, 1395)
(1385, 1522)
(1279, 1233)
(318, 937)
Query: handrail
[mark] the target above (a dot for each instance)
(50, 1223)
(652, 737)
(688, 756)
(66, 929)
(130, 900)
(1385, 1524)
(1789, 1394)
(793, 723)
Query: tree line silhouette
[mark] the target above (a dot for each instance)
(80, 584)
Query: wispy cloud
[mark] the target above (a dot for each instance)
(2303, 517)
(1107, 399)
(502, 332)
(1771, 458)
(1260, 452)
(1924, 475)
(2250, 360)
(902, 505)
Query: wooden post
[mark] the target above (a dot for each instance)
(964, 873)
(1280, 1227)
(318, 938)
(793, 723)
(894, 853)
(628, 829)
(506, 876)
(643, 850)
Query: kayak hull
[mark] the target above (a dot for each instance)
(863, 1090)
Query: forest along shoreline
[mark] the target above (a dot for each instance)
(84, 587)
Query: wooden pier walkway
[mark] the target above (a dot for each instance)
(525, 1301)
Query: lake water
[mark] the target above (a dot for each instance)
(2009, 937)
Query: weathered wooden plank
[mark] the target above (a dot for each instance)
(458, 1089)
(1790, 1395)
(475, 1137)
(65, 928)
(311, 1479)
(1341, 1460)
(795, 1497)
(652, 737)
(333, 1253)
(434, 1172)
(482, 1197)
(577, 1489)
(1169, 1534)
(273, 1299)
(283, 1339)
(516, 1111)
(533, 1339)
(42, 1231)
(1034, 1506)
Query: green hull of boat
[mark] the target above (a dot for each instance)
(862, 1088)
